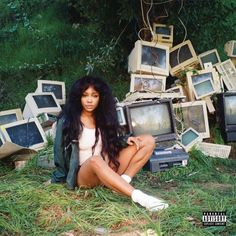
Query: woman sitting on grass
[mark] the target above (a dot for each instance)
(88, 150)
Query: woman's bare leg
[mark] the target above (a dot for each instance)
(95, 171)
(132, 160)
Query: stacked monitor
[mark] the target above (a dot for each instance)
(150, 58)
(28, 129)
(37, 103)
(211, 56)
(202, 83)
(192, 115)
(163, 34)
(226, 113)
(56, 87)
(227, 71)
(181, 56)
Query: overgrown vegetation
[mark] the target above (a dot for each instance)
(65, 39)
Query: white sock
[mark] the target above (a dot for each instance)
(147, 201)
(126, 178)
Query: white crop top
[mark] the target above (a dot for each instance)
(86, 143)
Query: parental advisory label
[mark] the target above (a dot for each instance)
(214, 218)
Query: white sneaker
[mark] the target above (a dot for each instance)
(149, 202)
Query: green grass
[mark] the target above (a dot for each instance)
(30, 207)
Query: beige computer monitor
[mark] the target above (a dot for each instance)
(209, 56)
(149, 58)
(26, 133)
(57, 87)
(182, 56)
(37, 103)
(192, 114)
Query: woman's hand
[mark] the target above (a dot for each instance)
(135, 140)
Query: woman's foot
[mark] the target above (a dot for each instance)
(149, 202)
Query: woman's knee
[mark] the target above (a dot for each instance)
(96, 162)
(149, 141)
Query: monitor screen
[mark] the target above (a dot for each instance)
(180, 55)
(55, 88)
(25, 134)
(8, 118)
(230, 109)
(153, 56)
(155, 118)
(163, 30)
(211, 57)
(44, 101)
(148, 84)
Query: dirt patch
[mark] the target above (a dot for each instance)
(217, 186)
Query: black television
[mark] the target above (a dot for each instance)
(226, 114)
(153, 117)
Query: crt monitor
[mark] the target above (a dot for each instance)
(230, 48)
(201, 83)
(11, 115)
(181, 56)
(37, 103)
(163, 33)
(26, 133)
(153, 117)
(149, 58)
(209, 56)
(192, 114)
(57, 87)
(226, 113)
(189, 138)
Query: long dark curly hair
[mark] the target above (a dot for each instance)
(105, 116)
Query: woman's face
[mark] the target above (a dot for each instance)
(90, 99)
